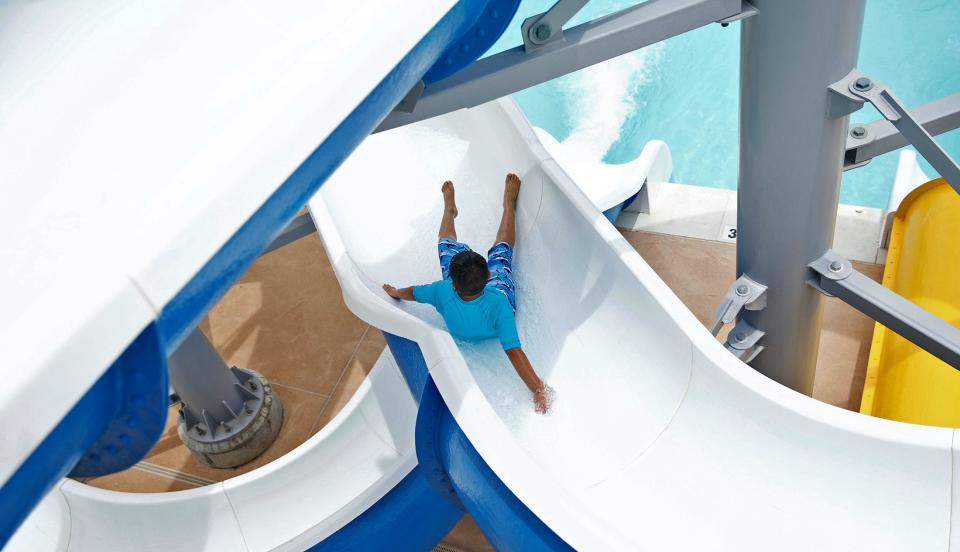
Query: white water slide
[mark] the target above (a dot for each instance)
(660, 439)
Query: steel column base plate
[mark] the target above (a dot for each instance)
(246, 444)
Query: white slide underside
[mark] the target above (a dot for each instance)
(137, 137)
(289, 504)
(659, 439)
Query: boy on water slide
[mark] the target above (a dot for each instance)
(476, 296)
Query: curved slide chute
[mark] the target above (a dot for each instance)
(632, 186)
(151, 152)
(660, 439)
(904, 382)
(356, 474)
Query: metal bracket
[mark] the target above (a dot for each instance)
(299, 227)
(842, 101)
(539, 30)
(836, 277)
(409, 102)
(744, 293)
(747, 10)
(852, 91)
(869, 140)
(832, 266)
(742, 341)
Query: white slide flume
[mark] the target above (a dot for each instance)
(289, 504)
(608, 186)
(659, 438)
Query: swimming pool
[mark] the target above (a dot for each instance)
(685, 91)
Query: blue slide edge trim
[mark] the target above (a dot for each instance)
(410, 360)
(110, 428)
(613, 213)
(504, 519)
(475, 41)
(410, 517)
(506, 522)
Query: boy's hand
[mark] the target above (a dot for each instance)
(543, 399)
(391, 291)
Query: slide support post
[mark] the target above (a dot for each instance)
(228, 416)
(791, 156)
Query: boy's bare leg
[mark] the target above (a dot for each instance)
(447, 227)
(508, 222)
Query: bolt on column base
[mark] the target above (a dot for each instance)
(245, 444)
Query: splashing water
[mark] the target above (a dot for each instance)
(687, 93)
(603, 97)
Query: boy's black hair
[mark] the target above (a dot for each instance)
(468, 270)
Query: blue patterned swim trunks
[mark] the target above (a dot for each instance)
(499, 263)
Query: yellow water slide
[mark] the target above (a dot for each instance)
(904, 382)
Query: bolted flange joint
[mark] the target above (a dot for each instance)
(246, 435)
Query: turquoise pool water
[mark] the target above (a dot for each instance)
(684, 91)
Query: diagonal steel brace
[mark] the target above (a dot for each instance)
(851, 92)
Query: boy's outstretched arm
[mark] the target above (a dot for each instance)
(403, 293)
(525, 370)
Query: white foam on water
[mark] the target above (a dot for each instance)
(603, 97)
(564, 441)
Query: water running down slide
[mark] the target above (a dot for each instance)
(659, 439)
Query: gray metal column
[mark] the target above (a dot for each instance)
(228, 416)
(791, 157)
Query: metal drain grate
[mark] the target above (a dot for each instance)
(445, 548)
(176, 475)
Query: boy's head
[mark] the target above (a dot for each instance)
(469, 273)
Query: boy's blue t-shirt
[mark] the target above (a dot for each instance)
(489, 315)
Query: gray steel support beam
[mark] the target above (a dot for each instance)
(746, 10)
(228, 416)
(584, 45)
(837, 277)
(791, 155)
(881, 136)
(202, 380)
(300, 227)
(538, 30)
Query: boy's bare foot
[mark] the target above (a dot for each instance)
(449, 198)
(511, 189)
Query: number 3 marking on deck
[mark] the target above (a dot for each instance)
(729, 234)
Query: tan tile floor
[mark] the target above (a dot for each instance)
(286, 319)
(700, 271)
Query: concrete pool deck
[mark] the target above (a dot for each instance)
(711, 214)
